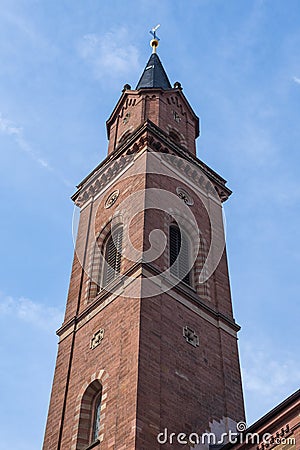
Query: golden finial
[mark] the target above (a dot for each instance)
(154, 42)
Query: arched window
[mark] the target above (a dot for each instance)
(174, 136)
(179, 254)
(112, 256)
(89, 416)
(105, 262)
(125, 136)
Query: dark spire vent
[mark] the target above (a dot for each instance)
(154, 75)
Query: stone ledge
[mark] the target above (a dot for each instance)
(92, 445)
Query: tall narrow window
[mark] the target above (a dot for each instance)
(113, 255)
(203, 284)
(179, 254)
(89, 416)
(96, 418)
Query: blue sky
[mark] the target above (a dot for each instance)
(63, 65)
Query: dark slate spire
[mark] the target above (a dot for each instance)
(154, 75)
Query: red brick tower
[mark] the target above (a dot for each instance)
(149, 343)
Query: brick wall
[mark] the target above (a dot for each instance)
(151, 376)
(168, 109)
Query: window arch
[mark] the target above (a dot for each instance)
(105, 260)
(125, 136)
(90, 416)
(112, 256)
(175, 136)
(179, 248)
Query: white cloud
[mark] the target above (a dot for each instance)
(45, 317)
(297, 80)
(110, 55)
(23, 27)
(22, 24)
(9, 128)
(268, 377)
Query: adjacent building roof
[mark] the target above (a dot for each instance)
(154, 75)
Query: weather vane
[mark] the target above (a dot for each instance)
(155, 40)
(153, 31)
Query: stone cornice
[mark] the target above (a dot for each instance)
(154, 139)
(190, 294)
(180, 292)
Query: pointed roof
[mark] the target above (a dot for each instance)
(154, 75)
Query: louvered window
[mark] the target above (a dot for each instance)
(113, 255)
(179, 254)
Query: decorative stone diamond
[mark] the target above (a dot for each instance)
(97, 338)
(190, 336)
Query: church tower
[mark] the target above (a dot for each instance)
(148, 348)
